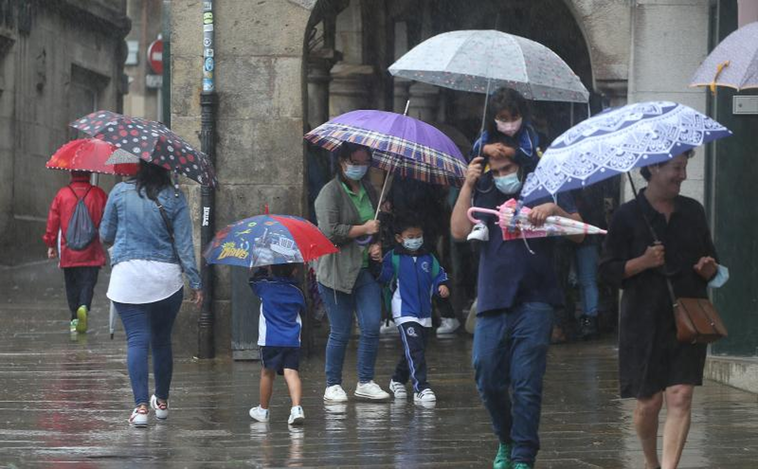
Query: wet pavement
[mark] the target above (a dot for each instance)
(64, 403)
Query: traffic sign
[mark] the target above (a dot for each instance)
(155, 56)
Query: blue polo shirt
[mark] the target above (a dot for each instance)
(508, 273)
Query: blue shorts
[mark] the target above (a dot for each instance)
(279, 358)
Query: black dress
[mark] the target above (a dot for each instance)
(650, 357)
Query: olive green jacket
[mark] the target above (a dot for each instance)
(336, 214)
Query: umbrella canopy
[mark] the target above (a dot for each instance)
(402, 145)
(480, 60)
(617, 140)
(267, 240)
(523, 228)
(150, 141)
(733, 63)
(89, 154)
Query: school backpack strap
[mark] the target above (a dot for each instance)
(395, 269)
(435, 267)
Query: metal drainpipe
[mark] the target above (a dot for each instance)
(208, 104)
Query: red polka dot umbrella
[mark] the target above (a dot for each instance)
(150, 141)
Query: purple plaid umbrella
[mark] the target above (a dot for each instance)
(401, 145)
(150, 141)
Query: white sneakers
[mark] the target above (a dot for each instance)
(259, 413)
(448, 326)
(398, 390)
(388, 329)
(297, 417)
(335, 394)
(425, 396)
(479, 232)
(160, 408)
(139, 417)
(371, 390)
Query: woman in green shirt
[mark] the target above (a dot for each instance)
(345, 210)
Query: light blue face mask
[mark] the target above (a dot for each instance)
(509, 184)
(720, 279)
(355, 172)
(413, 244)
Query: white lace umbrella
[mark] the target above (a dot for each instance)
(481, 60)
(617, 140)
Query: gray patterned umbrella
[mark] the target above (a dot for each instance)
(733, 63)
(479, 60)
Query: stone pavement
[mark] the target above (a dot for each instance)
(64, 403)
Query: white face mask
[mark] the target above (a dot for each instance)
(508, 128)
(413, 244)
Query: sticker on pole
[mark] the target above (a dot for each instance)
(155, 56)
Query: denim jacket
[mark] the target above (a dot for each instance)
(134, 226)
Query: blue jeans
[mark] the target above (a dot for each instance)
(510, 353)
(366, 302)
(149, 326)
(586, 266)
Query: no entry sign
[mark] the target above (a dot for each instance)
(155, 56)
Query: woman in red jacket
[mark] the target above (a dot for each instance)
(80, 268)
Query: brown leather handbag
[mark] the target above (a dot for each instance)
(697, 321)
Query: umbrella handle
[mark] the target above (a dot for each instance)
(364, 240)
(472, 210)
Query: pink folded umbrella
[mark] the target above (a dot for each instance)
(554, 225)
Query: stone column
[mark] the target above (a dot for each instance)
(424, 102)
(684, 25)
(401, 94)
(349, 89)
(320, 63)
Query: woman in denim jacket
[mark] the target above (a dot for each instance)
(150, 251)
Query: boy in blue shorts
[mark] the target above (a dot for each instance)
(279, 326)
(414, 276)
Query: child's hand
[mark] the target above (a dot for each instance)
(444, 292)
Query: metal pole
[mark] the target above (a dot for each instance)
(208, 104)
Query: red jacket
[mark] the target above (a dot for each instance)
(60, 213)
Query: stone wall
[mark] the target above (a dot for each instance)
(669, 41)
(60, 59)
(259, 81)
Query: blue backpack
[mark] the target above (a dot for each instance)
(81, 230)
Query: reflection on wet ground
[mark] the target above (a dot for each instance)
(65, 402)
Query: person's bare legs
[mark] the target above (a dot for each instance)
(677, 426)
(267, 386)
(292, 377)
(646, 424)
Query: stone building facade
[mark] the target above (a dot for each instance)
(59, 59)
(286, 66)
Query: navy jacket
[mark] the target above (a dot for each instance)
(415, 282)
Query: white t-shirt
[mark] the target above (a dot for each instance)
(141, 281)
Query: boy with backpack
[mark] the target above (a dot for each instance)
(413, 276)
(72, 236)
(279, 327)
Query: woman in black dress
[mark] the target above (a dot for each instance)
(652, 363)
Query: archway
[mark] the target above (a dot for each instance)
(350, 44)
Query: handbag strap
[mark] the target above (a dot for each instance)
(656, 240)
